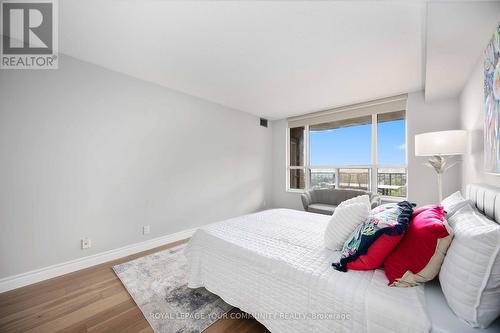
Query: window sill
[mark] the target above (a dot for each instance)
(290, 190)
(387, 199)
(384, 199)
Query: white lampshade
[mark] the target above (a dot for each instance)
(441, 143)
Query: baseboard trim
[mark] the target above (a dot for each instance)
(38, 275)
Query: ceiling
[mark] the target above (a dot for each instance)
(280, 58)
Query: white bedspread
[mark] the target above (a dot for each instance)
(273, 265)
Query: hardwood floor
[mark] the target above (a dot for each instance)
(90, 300)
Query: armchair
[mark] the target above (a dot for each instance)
(325, 201)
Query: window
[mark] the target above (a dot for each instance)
(391, 152)
(296, 157)
(391, 182)
(391, 138)
(328, 142)
(356, 179)
(322, 178)
(297, 179)
(366, 152)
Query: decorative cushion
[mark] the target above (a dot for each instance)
(366, 248)
(418, 257)
(343, 222)
(359, 199)
(431, 270)
(470, 275)
(376, 254)
(419, 210)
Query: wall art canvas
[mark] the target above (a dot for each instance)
(492, 104)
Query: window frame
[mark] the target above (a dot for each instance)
(374, 166)
(304, 167)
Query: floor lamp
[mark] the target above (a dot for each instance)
(441, 145)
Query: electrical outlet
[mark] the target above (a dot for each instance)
(146, 229)
(86, 243)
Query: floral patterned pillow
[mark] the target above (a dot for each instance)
(389, 219)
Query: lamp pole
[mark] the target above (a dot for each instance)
(440, 186)
(440, 145)
(440, 164)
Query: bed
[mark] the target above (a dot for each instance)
(273, 265)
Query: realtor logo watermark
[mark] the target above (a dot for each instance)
(29, 32)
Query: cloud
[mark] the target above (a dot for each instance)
(402, 146)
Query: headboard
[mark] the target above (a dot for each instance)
(486, 198)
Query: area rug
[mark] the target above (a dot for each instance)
(158, 284)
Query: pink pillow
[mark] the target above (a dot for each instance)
(418, 244)
(376, 254)
(419, 210)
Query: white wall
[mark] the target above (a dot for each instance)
(472, 120)
(281, 198)
(85, 151)
(429, 117)
(422, 182)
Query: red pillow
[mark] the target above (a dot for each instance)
(376, 254)
(418, 244)
(419, 210)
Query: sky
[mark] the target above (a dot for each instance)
(352, 145)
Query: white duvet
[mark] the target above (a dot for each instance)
(273, 265)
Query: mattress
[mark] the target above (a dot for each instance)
(273, 265)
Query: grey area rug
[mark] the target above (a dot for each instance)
(158, 284)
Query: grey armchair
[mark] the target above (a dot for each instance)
(325, 201)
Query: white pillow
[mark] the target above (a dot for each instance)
(470, 274)
(453, 203)
(359, 199)
(343, 222)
